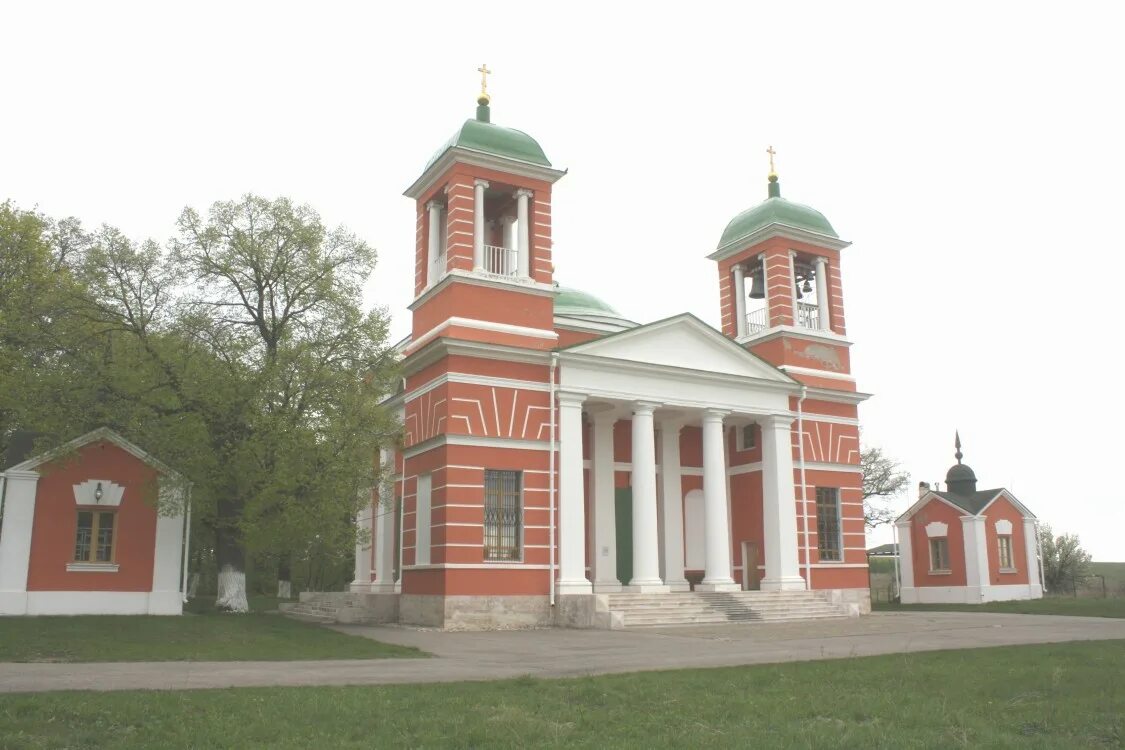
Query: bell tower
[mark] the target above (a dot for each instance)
(483, 268)
(781, 291)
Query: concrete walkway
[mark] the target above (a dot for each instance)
(564, 653)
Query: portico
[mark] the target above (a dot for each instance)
(728, 387)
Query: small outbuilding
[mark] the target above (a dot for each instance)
(967, 546)
(95, 526)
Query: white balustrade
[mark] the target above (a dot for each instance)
(808, 316)
(757, 320)
(501, 261)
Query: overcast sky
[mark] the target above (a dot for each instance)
(973, 153)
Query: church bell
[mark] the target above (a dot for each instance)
(757, 286)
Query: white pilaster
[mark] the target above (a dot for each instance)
(823, 321)
(793, 288)
(523, 217)
(361, 580)
(15, 540)
(572, 512)
(604, 496)
(1031, 543)
(646, 551)
(384, 539)
(716, 521)
(906, 563)
(433, 247)
(739, 300)
(779, 506)
(672, 506)
(976, 558)
(478, 224)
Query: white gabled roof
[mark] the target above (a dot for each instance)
(683, 341)
(102, 433)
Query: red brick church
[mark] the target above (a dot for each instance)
(562, 464)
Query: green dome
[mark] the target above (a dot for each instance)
(577, 303)
(493, 139)
(776, 210)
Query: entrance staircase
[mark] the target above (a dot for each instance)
(699, 608)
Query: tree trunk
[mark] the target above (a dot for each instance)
(284, 577)
(231, 559)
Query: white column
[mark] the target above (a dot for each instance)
(605, 506)
(572, 497)
(646, 551)
(823, 321)
(434, 243)
(522, 215)
(793, 288)
(739, 300)
(716, 521)
(478, 224)
(907, 592)
(15, 540)
(361, 580)
(976, 559)
(779, 506)
(385, 530)
(672, 506)
(1031, 542)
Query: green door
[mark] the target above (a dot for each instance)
(624, 523)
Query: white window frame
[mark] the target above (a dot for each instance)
(944, 540)
(520, 532)
(740, 437)
(1000, 543)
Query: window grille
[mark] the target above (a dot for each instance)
(829, 541)
(502, 514)
(93, 541)
(939, 554)
(1006, 553)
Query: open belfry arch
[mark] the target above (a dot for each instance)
(562, 464)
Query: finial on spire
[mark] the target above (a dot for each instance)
(957, 445)
(774, 189)
(483, 98)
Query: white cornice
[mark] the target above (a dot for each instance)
(102, 433)
(798, 332)
(839, 397)
(775, 229)
(483, 159)
(525, 285)
(683, 374)
(482, 325)
(439, 348)
(473, 440)
(815, 373)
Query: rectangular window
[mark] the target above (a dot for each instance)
(95, 537)
(829, 542)
(502, 515)
(939, 555)
(1006, 562)
(747, 437)
(422, 520)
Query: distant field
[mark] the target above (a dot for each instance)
(1083, 606)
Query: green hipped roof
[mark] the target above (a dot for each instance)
(578, 303)
(776, 210)
(493, 139)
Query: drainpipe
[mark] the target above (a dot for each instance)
(804, 484)
(1039, 548)
(551, 482)
(187, 546)
(897, 552)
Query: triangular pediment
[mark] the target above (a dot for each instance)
(683, 342)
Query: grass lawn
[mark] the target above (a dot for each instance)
(1060, 695)
(1061, 605)
(209, 637)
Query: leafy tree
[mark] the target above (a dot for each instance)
(883, 481)
(241, 355)
(1065, 563)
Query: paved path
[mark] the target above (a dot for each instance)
(562, 653)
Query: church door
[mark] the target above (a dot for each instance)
(624, 522)
(751, 576)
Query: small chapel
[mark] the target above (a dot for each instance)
(967, 546)
(563, 465)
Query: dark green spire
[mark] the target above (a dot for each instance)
(774, 186)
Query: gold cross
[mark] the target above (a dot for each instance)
(771, 152)
(484, 71)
